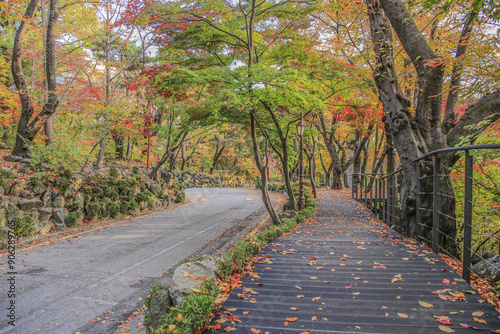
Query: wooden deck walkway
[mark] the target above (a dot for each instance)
(344, 272)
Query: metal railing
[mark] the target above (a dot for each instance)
(469, 214)
(381, 194)
(471, 194)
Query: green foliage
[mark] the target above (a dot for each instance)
(71, 218)
(24, 226)
(72, 206)
(63, 153)
(135, 170)
(192, 258)
(113, 171)
(154, 289)
(63, 180)
(114, 209)
(35, 181)
(197, 310)
(181, 195)
(93, 210)
(6, 174)
(146, 196)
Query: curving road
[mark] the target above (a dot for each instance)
(65, 286)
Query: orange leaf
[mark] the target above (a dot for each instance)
(482, 321)
(316, 299)
(217, 326)
(478, 314)
(292, 319)
(179, 317)
(171, 328)
(294, 309)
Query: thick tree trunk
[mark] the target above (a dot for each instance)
(413, 136)
(27, 130)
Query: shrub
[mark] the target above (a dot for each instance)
(63, 180)
(113, 209)
(113, 172)
(181, 195)
(197, 310)
(35, 181)
(154, 289)
(112, 193)
(24, 226)
(93, 210)
(124, 208)
(71, 218)
(135, 170)
(6, 174)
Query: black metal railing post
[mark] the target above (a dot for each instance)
(467, 217)
(436, 209)
(418, 204)
(393, 201)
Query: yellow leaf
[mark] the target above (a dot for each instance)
(403, 315)
(246, 312)
(294, 309)
(424, 304)
(300, 296)
(482, 321)
(446, 329)
(478, 314)
(232, 309)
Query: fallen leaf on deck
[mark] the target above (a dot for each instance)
(425, 304)
(446, 329)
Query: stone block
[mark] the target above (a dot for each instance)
(45, 227)
(30, 204)
(58, 201)
(58, 216)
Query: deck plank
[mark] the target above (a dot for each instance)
(367, 278)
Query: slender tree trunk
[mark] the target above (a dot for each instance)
(263, 171)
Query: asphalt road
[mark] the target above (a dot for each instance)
(66, 286)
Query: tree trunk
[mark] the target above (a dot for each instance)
(413, 135)
(292, 202)
(263, 171)
(312, 167)
(27, 130)
(328, 139)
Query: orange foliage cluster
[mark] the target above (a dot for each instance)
(485, 289)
